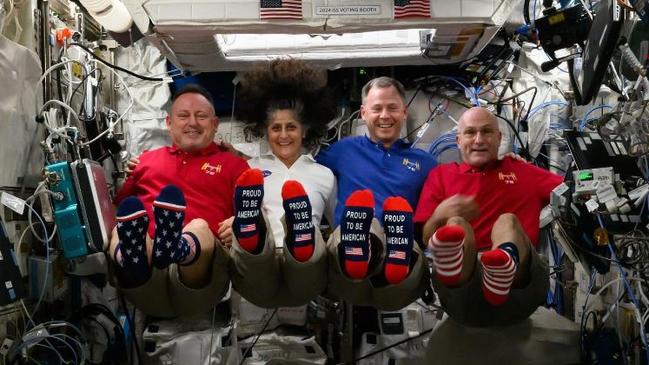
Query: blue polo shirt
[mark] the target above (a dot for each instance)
(359, 163)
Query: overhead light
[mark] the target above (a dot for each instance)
(385, 43)
(111, 14)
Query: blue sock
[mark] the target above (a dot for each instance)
(169, 245)
(130, 253)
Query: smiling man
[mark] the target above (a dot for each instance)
(379, 175)
(379, 161)
(171, 206)
(492, 206)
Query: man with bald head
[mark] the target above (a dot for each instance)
(481, 219)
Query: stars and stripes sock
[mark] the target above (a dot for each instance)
(130, 252)
(354, 233)
(299, 223)
(397, 224)
(169, 214)
(189, 249)
(248, 196)
(498, 272)
(448, 253)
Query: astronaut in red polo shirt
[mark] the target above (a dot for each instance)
(481, 219)
(171, 210)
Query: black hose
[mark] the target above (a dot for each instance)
(147, 78)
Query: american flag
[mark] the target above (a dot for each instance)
(412, 9)
(399, 255)
(303, 237)
(247, 228)
(354, 251)
(280, 9)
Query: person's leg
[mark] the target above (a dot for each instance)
(454, 252)
(507, 263)
(300, 232)
(399, 238)
(248, 221)
(196, 273)
(130, 246)
(355, 226)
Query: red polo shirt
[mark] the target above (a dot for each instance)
(205, 177)
(507, 186)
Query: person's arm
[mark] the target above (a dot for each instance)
(224, 232)
(457, 205)
(131, 164)
(327, 157)
(133, 174)
(330, 204)
(435, 207)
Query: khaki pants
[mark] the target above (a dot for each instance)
(273, 278)
(163, 295)
(374, 290)
(467, 306)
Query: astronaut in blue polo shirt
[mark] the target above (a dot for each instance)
(373, 262)
(381, 162)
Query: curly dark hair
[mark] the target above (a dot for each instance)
(286, 84)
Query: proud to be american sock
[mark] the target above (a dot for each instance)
(354, 233)
(130, 253)
(299, 223)
(498, 271)
(169, 214)
(448, 253)
(248, 196)
(397, 224)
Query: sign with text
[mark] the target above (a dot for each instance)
(345, 10)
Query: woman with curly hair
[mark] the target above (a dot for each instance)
(287, 102)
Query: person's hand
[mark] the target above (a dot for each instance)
(224, 232)
(515, 156)
(457, 206)
(131, 165)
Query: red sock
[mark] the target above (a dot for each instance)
(300, 233)
(397, 223)
(248, 195)
(448, 253)
(354, 233)
(498, 272)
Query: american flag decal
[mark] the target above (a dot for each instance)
(302, 237)
(280, 9)
(399, 255)
(411, 9)
(247, 228)
(354, 251)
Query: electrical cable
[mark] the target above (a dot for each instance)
(131, 326)
(114, 123)
(526, 12)
(91, 53)
(63, 105)
(526, 153)
(584, 119)
(37, 192)
(249, 349)
(211, 333)
(47, 259)
(354, 361)
(643, 337)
